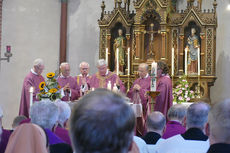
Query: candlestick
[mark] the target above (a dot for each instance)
(198, 61)
(117, 61)
(128, 61)
(31, 90)
(106, 56)
(186, 61)
(172, 62)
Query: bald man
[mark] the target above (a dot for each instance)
(155, 126)
(70, 89)
(218, 127)
(139, 89)
(83, 78)
(33, 79)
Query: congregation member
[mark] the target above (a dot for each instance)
(33, 79)
(70, 89)
(164, 85)
(155, 126)
(5, 134)
(111, 131)
(45, 114)
(194, 139)
(138, 94)
(218, 127)
(104, 76)
(176, 116)
(28, 138)
(83, 78)
(17, 121)
(64, 115)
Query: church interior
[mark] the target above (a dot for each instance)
(84, 30)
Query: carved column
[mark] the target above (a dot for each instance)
(63, 31)
(202, 53)
(109, 47)
(164, 42)
(137, 44)
(181, 55)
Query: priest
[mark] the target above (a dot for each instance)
(83, 78)
(69, 88)
(33, 79)
(138, 94)
(104, 78)
(164, 86)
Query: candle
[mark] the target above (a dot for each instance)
(109, 85)
(128, 61)
(106, 56)
(153, 76)
(117, 61)
(31, 90)
(186, 61)
(172, 62)
(198, 61)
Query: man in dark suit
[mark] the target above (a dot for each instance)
(155, 126)
(218, 127)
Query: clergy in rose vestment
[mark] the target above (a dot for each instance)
(83, 78)
(33, 79)
(103, 76)
(164, 85)
(139, 91)
(69, 88)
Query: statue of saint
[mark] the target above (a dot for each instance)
(193, 45)
(119, 43)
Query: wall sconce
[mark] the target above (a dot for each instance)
(7, 54)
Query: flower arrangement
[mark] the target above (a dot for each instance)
(50, 88)
(182, 92)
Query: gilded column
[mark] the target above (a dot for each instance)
(181, 55)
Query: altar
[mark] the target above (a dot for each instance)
(156, 30)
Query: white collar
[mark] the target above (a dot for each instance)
(32, 71)
(61, 76)
(81, 75)
(107, 72)
(147, 75)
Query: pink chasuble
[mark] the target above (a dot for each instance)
(30, 80)
(144, 83)
(165, 99)
(98, 81)
(75, 90)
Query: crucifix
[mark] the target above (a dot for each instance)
(151, 53)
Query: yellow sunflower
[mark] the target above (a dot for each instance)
(53, 90)
(50, 75)
(59, 87)
(42, 85)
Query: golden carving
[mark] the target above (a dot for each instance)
(170, 30)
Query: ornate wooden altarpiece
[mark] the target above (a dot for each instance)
(153, 29)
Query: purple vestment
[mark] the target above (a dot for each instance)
(144, 83)
(75, 90)
(98, 81)
(165, 99)
(31, 80)
(53, 138)
(173, 128)
(4, 140)
(63, 134)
